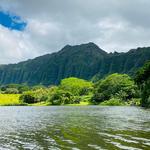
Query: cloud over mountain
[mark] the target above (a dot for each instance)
(51, 24)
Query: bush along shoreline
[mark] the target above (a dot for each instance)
(113, 90)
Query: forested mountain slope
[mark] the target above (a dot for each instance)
(82, 61)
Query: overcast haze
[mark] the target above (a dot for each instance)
(114, 25)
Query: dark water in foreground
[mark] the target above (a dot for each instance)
(74, 128)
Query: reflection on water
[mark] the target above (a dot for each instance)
(74, 128)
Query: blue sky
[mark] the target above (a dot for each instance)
(12, 22)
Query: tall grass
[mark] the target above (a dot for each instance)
(9, 99)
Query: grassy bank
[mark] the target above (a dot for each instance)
(13, 100)
(114, 90)
(9, 99)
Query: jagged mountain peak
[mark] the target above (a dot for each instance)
(83, 48)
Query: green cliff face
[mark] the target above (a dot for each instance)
(82, 61)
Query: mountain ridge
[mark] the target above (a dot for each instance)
(82, 61)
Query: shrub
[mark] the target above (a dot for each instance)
(23, 88)
(20, 87)
(27, 97)
(113, 102)
(135, 102)
(11, 91)
(61, 97)
(38, 95)
(37, 87)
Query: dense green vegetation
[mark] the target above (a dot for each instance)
(113, 102)
(115, 89)
(81, 61)
(143, 80)
(70, 91)
(116, 86)
(14, 88)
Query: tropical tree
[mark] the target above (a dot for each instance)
(60, 97)
(116, 85)
(76, 86)
(142, 78)
(31, 96)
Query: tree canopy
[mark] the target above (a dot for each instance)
(76, 86)
(143, 80)
(115, 85)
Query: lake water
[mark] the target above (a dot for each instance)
(74, 128)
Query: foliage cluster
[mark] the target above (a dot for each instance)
(113, 102)
(14, 88)
(70, 91)
(115, 86)
(115, 89)
(143, 80)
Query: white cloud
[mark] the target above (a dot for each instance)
(14, 46)
(51, 24)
